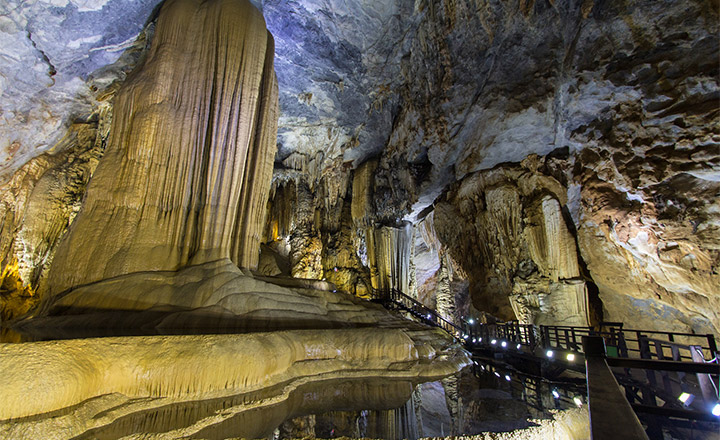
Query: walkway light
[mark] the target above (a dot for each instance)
(503, 344)
(497, 374)
(479, 339)
(518, 346)
(686, 398)
(716, 410)
(555, 394)
(474, 340)
(429, 316)
(549, 353)
(507, 377)
(471, 321)
(570, 357)
(578, 401)
(493, 342)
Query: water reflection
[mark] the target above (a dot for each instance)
(499, 398)
(485, 397)
(374, 408)
(478, 399)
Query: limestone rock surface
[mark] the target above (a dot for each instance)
(408, 99)
(187, 169)
(110, 378)
(506, 228)
(56, 59)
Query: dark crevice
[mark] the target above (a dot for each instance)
(52, 71)
(595, 305)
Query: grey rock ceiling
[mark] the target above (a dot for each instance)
(466, 85)
(338, 63)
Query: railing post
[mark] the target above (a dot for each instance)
(531, 338)
(712, 346)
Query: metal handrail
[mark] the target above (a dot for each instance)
(420, 311)
(562, 337)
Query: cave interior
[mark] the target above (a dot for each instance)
(213, 209)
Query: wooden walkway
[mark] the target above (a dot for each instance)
(669, 378)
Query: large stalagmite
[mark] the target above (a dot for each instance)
(187, 170)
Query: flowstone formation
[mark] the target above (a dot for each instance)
(185, 175)
(203, 382)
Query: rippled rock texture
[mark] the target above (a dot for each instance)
(66, 388)
(188, 162)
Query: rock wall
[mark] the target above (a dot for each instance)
(626, 213)
(187, 168)
(39, 203)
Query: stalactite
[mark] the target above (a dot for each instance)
(305, 241)
(389, 257)
(362, 206)
(187, 169)
(412, 271)
(551, 245)
(281, 217)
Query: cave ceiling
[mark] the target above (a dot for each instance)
(337, 63)
(456, 86)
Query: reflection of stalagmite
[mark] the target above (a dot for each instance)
(450, 385)
(187, 169)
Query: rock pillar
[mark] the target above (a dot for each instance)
(187, 170)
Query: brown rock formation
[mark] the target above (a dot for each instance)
(187, 168)
(506, 229)
(37, 206)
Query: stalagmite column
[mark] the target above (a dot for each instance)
(445, 296)
(187, 170)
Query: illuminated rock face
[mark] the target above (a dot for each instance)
(654, 251)
(187, 168)
(630, 91)
(435, 92)
(506, 229)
